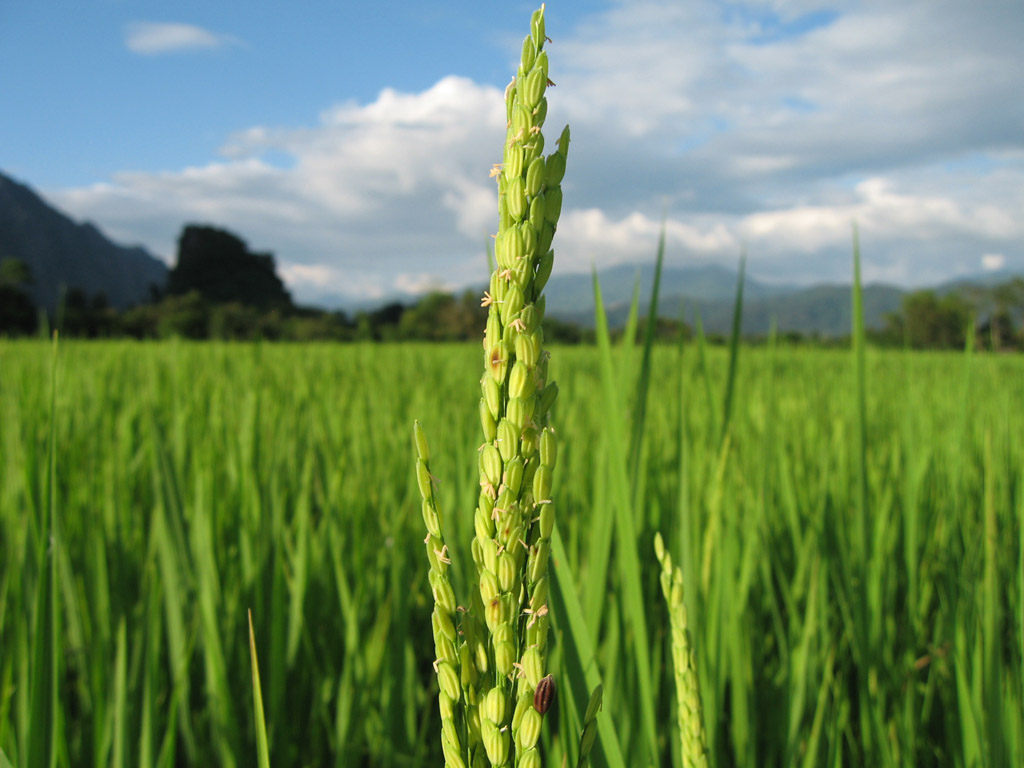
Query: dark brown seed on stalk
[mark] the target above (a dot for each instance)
(544, 694)
(496, 360)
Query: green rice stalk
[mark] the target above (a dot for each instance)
(643, 383)
(734, 348)
(627, 344)
(119, 741)
(490, 671)
(702, 359)
(589, 733)
(580, 666)
(447, 663)
(860, 368)
(689, 713)
(262, 750)
(992, 674)
(630, 580)
(45, 703)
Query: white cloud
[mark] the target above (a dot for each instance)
(319, 276)
(883, 210)
(420, 282)
(151, 38)
(589, 238)
(992, 262)
(391, 195)
(903, 117)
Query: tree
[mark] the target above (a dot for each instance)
(17, 313)
(184, 316)
(380, 324)
(1008, 299)
(441, 317)
(15, 273)
(87, 317)
(928, 321)
(219, 266)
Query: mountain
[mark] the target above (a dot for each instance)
(987, 279)
(574, 294)
(61, 252)
(351, 303)
(711, 290)
(822, 309)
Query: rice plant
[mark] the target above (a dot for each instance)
(848, 526)
(492, 655)
(194, 482)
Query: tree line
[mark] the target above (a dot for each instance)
(219, 289)
(929, 320)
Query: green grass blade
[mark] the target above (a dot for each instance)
(686, 532)
(174, 593)
(262, 750)
(801, 661)
(734, 348)
(991, 650)
(299, 567)
(1020, 614)
(119, 712)
(43, 735)
(599, 547)
(705, 373)
(630, 580)
(628, 342)
(971, 719)
(643, 383)
(582, 672)
(868, 608)
(150, 709)
(860, 373)
(812, 748)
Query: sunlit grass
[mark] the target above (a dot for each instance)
(195, 482)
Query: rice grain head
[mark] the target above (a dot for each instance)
(494, 661)
(693, 739)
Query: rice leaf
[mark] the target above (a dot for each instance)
(860, 374)
(262, 751)
(734, 348)
(643, 383)
(45, 705)
(630, 580)
(581, 667)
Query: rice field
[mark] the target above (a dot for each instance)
(854, 587)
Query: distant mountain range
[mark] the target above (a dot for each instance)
(825, 309)
(60, 252)
(63, 253)
(711, 290)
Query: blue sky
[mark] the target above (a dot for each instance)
(110, 85)
(353, 140)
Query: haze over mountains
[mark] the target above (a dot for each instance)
(824, 309)
(61, 252)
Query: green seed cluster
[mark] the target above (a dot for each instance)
(491, 662)
(443, 618)
(590, 727)
(691, 723)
